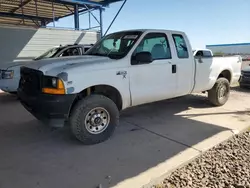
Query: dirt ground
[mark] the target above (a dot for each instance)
(33, 155)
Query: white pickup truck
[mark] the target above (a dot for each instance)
(123, 69)
(10, 71)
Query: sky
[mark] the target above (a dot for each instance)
(204, 21)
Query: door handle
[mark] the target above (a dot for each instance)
(174, 69)
(169, 62)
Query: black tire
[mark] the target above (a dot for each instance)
(81, 111)
(13, 93)
(242, 86)
(214, 93)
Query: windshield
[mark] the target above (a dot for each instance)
(48, 54)
(116, 45)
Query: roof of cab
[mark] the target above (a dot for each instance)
(149, 30)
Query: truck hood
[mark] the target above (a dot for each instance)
(53, 66)
(16, 64)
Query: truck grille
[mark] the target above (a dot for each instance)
(30, 81)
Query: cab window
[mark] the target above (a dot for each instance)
(116, 45)
(85, 49)
(199, 54)
(207, 53)
(73, 51)
(112, 44)
(155, 43)
(203, 53)
(180, 45)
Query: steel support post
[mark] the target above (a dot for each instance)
(43, 23)
(115, 16)
(76, 17)
(101, 22)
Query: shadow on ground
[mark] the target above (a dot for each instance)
(7, 98)
(239, 89)
(33, 155)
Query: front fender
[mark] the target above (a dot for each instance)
(76, 83)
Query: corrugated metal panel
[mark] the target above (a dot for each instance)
(44, 39)
(27, 43)
(13, 40)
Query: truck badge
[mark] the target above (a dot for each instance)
(123, 73)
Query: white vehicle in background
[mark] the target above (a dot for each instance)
(10, 72)
(121, 70)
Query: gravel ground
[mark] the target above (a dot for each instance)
(224, 166)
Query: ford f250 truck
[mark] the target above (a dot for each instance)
(123, 69)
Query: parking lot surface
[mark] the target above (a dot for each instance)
(34, 155)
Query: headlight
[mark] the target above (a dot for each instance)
(52, 85)
(7, 74)
(50, 82)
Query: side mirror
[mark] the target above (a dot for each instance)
(199, 58)
(142, 58)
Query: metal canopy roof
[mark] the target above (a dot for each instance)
(41, 12)
(91, 2)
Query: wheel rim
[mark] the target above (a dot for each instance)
(97, 120)
(222, 92)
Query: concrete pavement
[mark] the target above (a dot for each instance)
(151, 141)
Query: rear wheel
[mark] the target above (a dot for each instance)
(94, 119)
(219, 94)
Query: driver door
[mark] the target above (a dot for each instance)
(153, 81)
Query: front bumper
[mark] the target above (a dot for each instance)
(50, 109)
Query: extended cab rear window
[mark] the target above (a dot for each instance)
(203, 53)
(180, 45)
(207, 53)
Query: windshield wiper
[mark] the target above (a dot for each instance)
(103, 55)
(109, 55)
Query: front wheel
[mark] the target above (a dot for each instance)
(219, 94)
(94, 119)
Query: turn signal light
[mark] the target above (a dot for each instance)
(59, 90)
